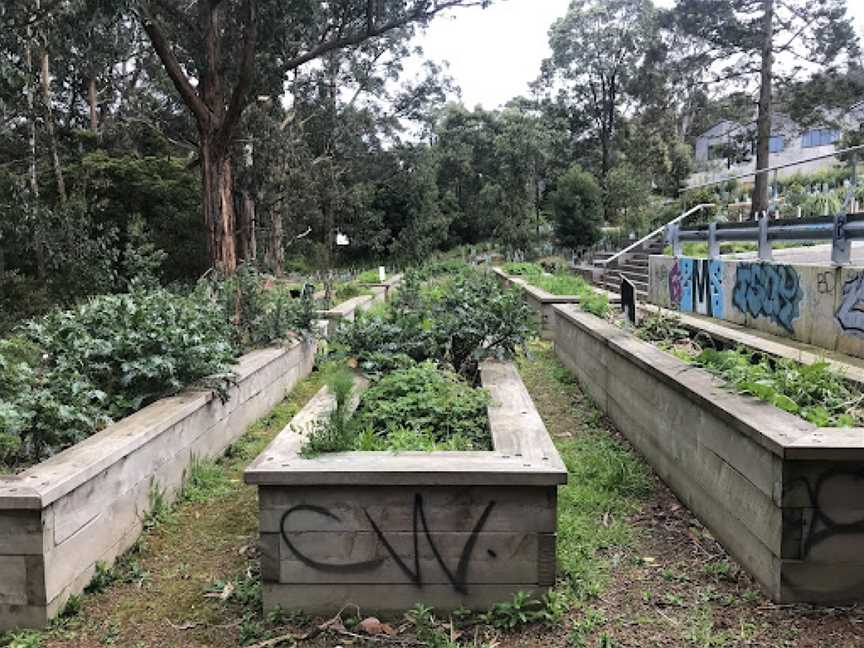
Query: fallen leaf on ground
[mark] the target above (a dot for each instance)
(373, 626)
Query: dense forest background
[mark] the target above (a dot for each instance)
(152, 140)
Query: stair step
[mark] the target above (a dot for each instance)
(631, 267)
(634, 275)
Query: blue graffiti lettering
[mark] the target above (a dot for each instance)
(768, 290)
(701, 285)
(850, 315)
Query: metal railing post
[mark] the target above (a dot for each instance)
(713, 243)
(765, 253)
(841, 246)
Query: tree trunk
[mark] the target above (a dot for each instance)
(50, 124)
(275, 255)
(93, 102)
(763, 120)
(246, 243)
(217, 182)
(33, 198)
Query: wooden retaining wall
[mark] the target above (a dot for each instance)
(86, 504)
(386, 530)
(347, 310)
(784, 497)
(542, 302)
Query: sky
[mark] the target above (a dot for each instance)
(494, 53)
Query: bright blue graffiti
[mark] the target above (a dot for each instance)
(701, 283)
(768, 290)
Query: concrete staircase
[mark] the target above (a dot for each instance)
(606, 269)
(633, 265)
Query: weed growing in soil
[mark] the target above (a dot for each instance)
(814, 392)
(423, 407)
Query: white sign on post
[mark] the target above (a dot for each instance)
(382, 274)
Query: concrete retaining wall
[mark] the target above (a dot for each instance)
(783, 497)
(821, 305)
(86, 504)
(387, 530)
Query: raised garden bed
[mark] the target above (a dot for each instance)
(87, 504)
(389, 284)
(783, 495)
(386, 530)
(347, 310)
(541, 301)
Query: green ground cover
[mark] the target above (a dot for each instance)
(68, 374)
(561, 283)
(814, 392)
(422, 353)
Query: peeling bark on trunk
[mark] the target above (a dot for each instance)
(218, 197)
(763, 124)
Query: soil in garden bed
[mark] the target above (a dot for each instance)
(637, 569)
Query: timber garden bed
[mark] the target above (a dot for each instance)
(87, 505)
(542, 290)
(435, 491)
(387, 529)
(782, 494)
(105, 407)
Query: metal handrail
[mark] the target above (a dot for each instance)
(656, 232)
(841, 230)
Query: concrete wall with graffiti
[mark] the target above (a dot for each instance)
(817, 304)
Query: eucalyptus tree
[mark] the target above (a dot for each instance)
(218, 53)
(321, 157)
(766, 43)
(597, 49)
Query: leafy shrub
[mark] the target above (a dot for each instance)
(577, 208)
(74, 371)
(813, 392)
(137, 347)
(458, 320)
(43, 408)
(429, 403)
(258, 311)
(475, 319)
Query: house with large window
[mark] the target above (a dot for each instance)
(728, 148)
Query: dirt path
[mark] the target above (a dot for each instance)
(637, 570)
